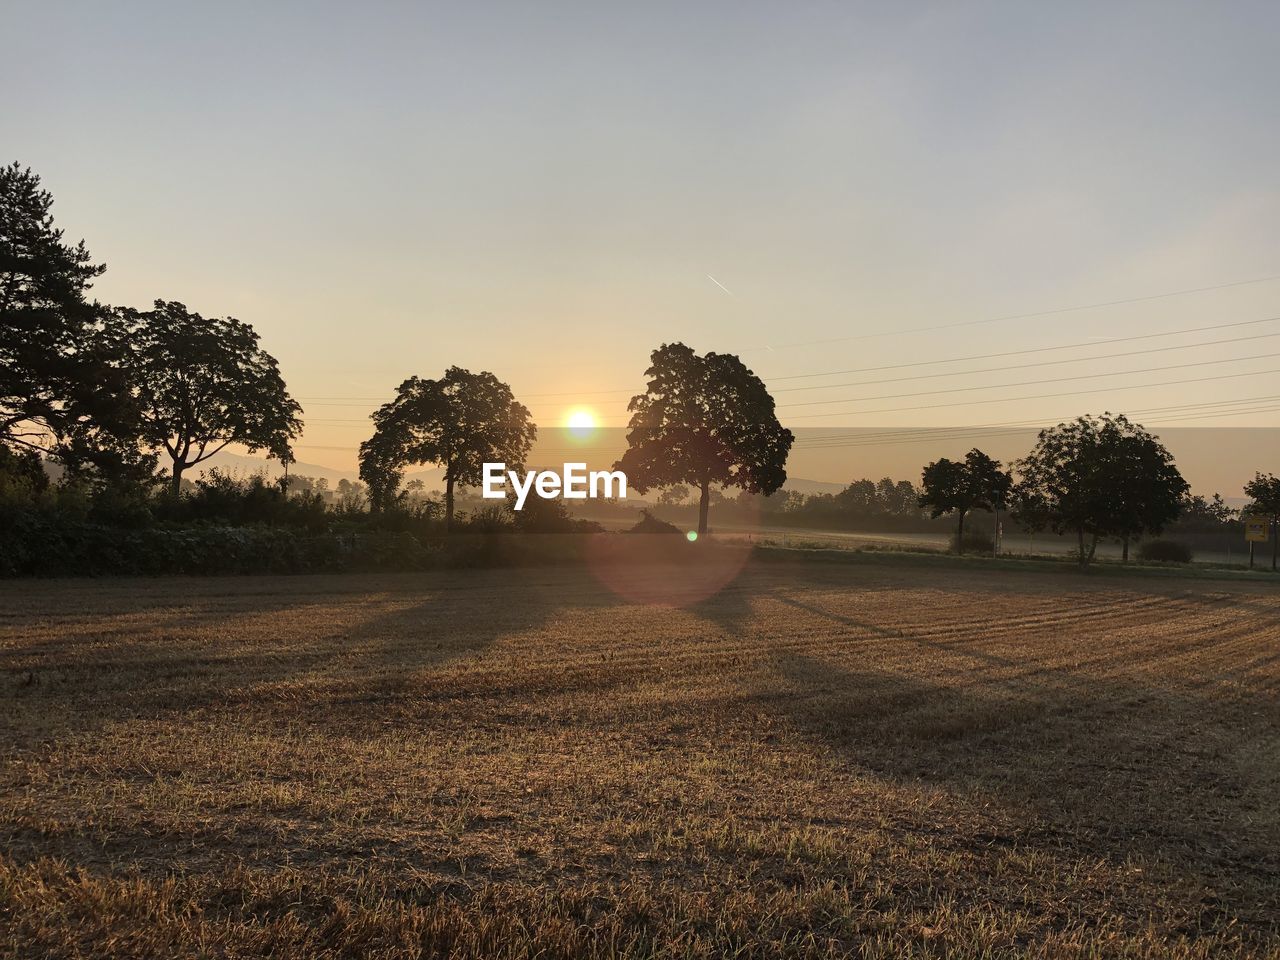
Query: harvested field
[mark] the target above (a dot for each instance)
(822, 759)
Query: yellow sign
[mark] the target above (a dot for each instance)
(1257, 529)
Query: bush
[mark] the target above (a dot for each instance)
(1164, 551)
(651, 524)
(551, 516)
(38, 545)
(491, 519)
(222, 498)
(975, 541)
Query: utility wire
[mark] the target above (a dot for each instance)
(1040, 396)
(353, 401)
(941, 435)
(1029, 366)
(1029, 383)
(1036, 421)
(1023, 316)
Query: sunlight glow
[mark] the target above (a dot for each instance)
(581, 423)
(580, 418)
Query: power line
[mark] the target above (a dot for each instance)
(1023, 316)
(943, 434)
(1035, 421)
(1029, 383)
(353, 401)
(922, 393)
(1038, 396)
(1029, 421)
(1014, 353)
(1013, 431)
(1028, 366)
(1241, 406)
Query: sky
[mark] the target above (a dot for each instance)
(550, 191)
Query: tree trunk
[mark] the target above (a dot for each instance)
(703, 506)
(1275, 540)
(1126, 550)
(448, 503)
(175, 485)
(1093, 547)
(1083, 559)
(960, 533)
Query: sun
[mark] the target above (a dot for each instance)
(581, 422)
(580, 418)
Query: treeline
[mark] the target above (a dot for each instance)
(125, 402)
(1093, 478)
(885, 504)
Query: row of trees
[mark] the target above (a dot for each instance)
(705, 422)
(1096, 478)
(108, 390)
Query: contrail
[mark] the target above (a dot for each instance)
(720, 285)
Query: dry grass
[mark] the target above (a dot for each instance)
(820, 760)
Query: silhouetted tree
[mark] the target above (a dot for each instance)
(673, 495)
(382, 468)
(62, 390)
(704, 421)
(1099, 477)
(858, 497)
(352, 497)
(1206, 513)
(203, 383)
(461, 421)
(1264, 490)
(958, 486)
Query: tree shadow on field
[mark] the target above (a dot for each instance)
(434, 655)
(1104, 767)
(731, 608)
(1158, 737)
(288, 654)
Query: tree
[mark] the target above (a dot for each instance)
(382, 468)
(703, 421)
(203, 383)
(1264, 490)
(958, 486)
(62, 389)
(673, 496)
(460, 422)
(1099, 477)
(1198, 512)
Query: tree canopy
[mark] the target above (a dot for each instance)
(958, 486)
(703, 421)
(203, 383)
(460, 422)
(1264, 491)
(62, 389)
(1098, 477)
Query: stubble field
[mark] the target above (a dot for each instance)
(822, 759)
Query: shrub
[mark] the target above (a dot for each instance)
(651, 524)
(975, 541)
(551, 516)
(492, 519)
(1164, 551)
(38, 545)
(222, 498)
